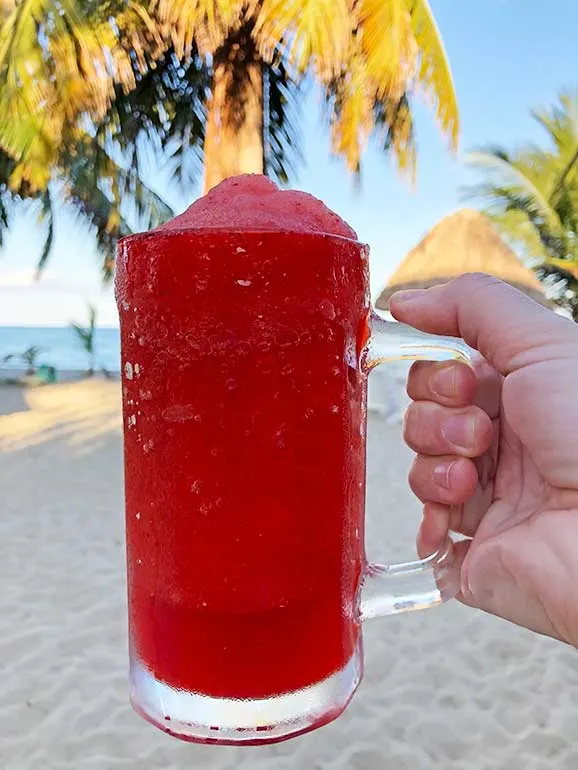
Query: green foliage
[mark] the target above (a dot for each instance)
(532, 196)
(86, 335)
(61, 62)
(30, 357)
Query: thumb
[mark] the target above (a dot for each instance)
(508, 328)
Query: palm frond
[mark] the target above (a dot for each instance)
(6, 168)
(434, 70)
(140, 39)
(521, 187)
(166, 109)
(501, 198)
(281, 124)
(91, 317)
(48, 217)
(350, 101)
(86, 334)
(29, 356)
(565, 265)
(26, 134)
(82, 333)
(4, 222)
(205, 23)
(60, 60)
(388, 44)
(32, 118)
(532, 196)
(394, 120)
(106, 191)
(518, 231)
(562, 288)
(560, 122)
(312, 33)
(569, 168)
(17, 32)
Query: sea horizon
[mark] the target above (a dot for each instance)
(51, 326)
(59, 347)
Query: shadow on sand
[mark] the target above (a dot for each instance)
(13, 400)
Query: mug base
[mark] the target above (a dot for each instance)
(199, 718)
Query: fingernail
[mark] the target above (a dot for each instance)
(444, 381)
(442, 474)
(460, 430)
(407, 296)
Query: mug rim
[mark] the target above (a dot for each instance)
(224, 231)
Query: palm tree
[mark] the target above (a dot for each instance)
(86, 88)
(30, 356)
(532, 196)
(87, 337)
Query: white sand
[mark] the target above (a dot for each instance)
(449, 688)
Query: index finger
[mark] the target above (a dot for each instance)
(507, 327)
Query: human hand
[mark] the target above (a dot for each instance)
(497, 449)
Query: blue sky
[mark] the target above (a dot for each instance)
(507, 56)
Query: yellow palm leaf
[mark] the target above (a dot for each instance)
(352, 120)
(18, 36)
(568, 265)
(389, 45)
(32, 144)
(139, 34)
(434, 71)
(50, 84)
(207, 22)
(397, 122)
(28, 132)
(81, 80)
(29, 93)
(316, 32)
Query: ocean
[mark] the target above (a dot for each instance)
(60, 347)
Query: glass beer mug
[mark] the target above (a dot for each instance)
(245, 359)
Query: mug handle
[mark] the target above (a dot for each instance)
(389, 589)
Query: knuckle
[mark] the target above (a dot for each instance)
(477, 280)
(418, 431)
(418, 378)
(470, 285)
(408, 422)
(415, 476)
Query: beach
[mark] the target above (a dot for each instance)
(446, 688)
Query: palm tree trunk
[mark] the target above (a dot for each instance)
(234, 131)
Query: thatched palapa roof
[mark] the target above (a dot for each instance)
(465, 242)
